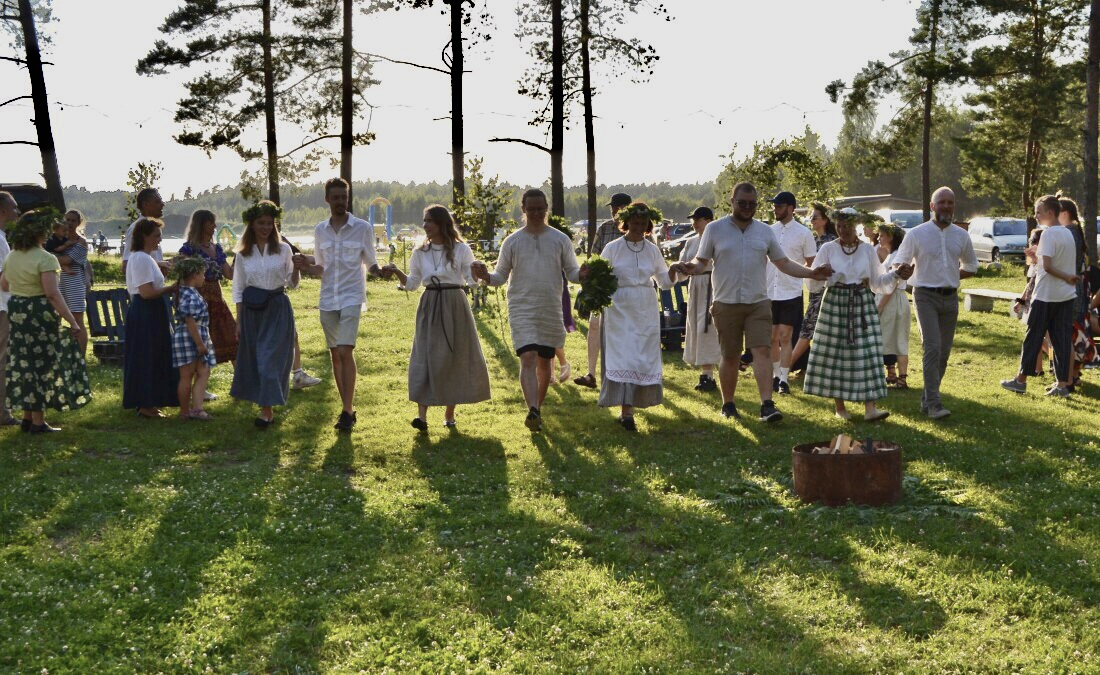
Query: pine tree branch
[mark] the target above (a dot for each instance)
(15, 60)
(366, 57)
(17, 98)
(308, 143)
(520, 140)
(18, 143)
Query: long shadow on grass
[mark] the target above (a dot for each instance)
(688, 555)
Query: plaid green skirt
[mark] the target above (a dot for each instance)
(45, 368)
(846, 352)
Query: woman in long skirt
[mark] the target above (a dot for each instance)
(265, 351)
(200, 242)
(846, 354)
(893, 309)
(73, 256)
(631, 332)
(700, 336)
(446, 367)
(149, 381)
(45, 370)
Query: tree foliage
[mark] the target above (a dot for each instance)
(144, 175)
(486, 205)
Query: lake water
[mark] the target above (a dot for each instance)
(172, 245)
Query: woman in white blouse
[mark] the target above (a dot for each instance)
(631, 333)
(893, 310)
(846, 354)
(262, 271)
(446, 366)
(148, 378)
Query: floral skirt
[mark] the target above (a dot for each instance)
(223, 327)
(45, 367)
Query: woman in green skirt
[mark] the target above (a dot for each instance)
(846, 353)
(45, 366)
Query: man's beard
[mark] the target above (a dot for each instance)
(943, 219)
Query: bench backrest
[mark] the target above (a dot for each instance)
(107, 313)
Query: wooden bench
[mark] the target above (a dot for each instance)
(981, 299)
(107, 319)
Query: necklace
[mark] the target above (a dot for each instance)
(844, 247)
(630, 245)
(438, 260)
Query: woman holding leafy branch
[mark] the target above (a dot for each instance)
(632, 368)
(446, 366)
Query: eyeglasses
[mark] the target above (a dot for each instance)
(745, 204)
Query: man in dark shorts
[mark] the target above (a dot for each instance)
(785, 291)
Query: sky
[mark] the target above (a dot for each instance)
(730, 73)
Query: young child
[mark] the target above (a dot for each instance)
(192, 350)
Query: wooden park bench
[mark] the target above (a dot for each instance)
(673, 316)
(107, 319)
(981, 299)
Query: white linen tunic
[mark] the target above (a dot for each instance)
(532, 266)
(701, 346)
(632, 324)
(142, 269)
(862, 265)
(428, 265)
(266, 271)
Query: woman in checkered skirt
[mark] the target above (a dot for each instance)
(846, 354)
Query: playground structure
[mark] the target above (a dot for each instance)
(389, 216)
(226, 237)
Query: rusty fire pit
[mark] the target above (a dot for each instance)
(872, 479)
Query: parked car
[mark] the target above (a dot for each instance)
(672, 248)
(906, 219)
(997, 239)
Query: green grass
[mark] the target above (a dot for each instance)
(137, 546)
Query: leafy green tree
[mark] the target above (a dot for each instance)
(487, 204)
(144, 175)
(800, 165)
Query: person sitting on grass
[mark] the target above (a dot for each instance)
(192, 349)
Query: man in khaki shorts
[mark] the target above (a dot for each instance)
(342, 246)
(736, 250)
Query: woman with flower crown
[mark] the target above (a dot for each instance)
(632, 367)
(263, 270)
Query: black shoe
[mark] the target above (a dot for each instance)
(775, 384)
(784, 387)
(345, 422)
(419, 424)
(730, 410)
(43, 428)
(706, 383)
(261, 423)
(628, 423)
(769, 413)
(24, 425)
(534, 420)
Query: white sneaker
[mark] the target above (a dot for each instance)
(210, 396)
(302, 380)
(564, 371)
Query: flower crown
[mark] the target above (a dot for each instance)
(186, 266)
(264, 208)
(32, 225)
(639, 209)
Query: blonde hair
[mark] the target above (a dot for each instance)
(193, 233)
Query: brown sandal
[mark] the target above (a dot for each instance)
(891, 380)
(901, 383)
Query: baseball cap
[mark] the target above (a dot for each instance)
(620, 199)
(784, 198)
(702, 212)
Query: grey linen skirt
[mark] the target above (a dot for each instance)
(446, 366)
(265, 353)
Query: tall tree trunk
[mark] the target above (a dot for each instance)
(589, 134)
(50, 171)
(458, 158)
(347, 139)
(929, 98)
(1092, 110)
(269, 109)
(557, 123)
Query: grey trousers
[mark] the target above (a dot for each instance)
(5, 331)
(936, 317)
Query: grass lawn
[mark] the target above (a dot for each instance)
(129, 545)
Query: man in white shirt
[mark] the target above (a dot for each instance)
(150, 205)
(343, 246)
(785, 291)
(1051, 302)
(943, 256)
(9, 213)
(736, 250)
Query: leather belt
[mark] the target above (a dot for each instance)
(946, 290)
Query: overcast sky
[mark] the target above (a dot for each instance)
(730, 73)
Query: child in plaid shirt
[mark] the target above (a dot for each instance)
(192, 350)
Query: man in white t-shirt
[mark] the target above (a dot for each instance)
(150, 205)
(785, 291)
(9, 213)
(343, 246)
(736, 250)
(1051, 301)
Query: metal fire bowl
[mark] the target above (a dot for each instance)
(834, 480)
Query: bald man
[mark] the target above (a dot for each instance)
(937, 255)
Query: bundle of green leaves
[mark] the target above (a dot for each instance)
(598, 287)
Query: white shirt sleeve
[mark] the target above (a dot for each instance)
(240, 277)
(503, 267)
(569, 263)
(657, 260)
(367, 255)
(288, 264)
(141, 270)
(318, 252)
(416, 272)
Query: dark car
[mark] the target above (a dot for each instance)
(671, 249)
(27, 195)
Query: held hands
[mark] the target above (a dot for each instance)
(904, 270)
(822, 273)
(479, 271)
(583, 273)
(688, 268)
(203, 351)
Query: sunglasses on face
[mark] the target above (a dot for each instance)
(745, 204)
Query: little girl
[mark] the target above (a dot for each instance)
(192, 350)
